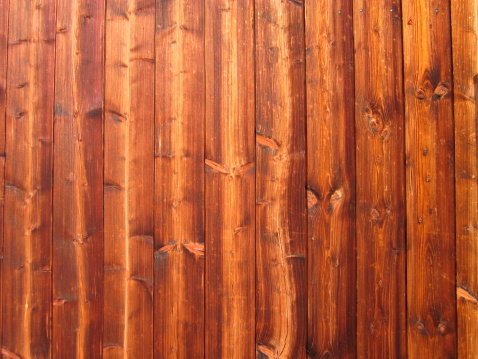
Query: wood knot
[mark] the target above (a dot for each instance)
(312, 198)
(420, 94)
(441, 90)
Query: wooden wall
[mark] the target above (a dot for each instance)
(239, 179)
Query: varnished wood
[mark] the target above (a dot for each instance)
(465, 75)
(330, 179)
(4, 5)
(380, 176)
(28, 180)
(78, 181)
(281, 241)
(431, 291)
(179, 257)
(229, 179)
(128, 179)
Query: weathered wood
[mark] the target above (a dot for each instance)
(28, 180)
(330, 179)
(179, 186)
(229, 179)
(128, 179)
(4, 5)
(430, 180)
(281, 245)
(465, 70)
(379, 119)
(78, 181)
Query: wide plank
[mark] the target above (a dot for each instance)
(380, 176)
(128, 179)
(281, 241)
(179, 258)
(431, 304)
(230, 179)
(78, 181)
(28, 180)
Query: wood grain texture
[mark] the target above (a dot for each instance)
(4, 5)
(229, 179)
(78, 181)
(128, 179)
(179, 191)
(465, 74)
(379, 126)
(28, 180)
(330, 179)
(281, 239)
(430, 180)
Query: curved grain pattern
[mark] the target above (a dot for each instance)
(179, 188)
(281, 245)
(78, 181)
(128, 181)
(230, 177)
(28, 180)
(430, 180)
(465, 74)
(379, 119)
(330, 179)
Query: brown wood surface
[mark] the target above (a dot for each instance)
(238, 179)
(229, 179)
(281, 241)
(330, 179)
(28, 180)
(465, 75)
(431, 314)
(128, 179)
(4, 5)
(179, 258)
(380, 176)
(78, 181)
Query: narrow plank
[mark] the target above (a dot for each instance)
(28, 180)
(430, 180)
(179, 186)
(229, 179)
(78, 181)
(330, 179)
(281, 245)
(128, 179)
(4, 4)
(465, 69)
(380, 176)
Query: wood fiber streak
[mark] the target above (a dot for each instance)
(4, 5)
(128, 179)
(379, 126)
(431, 287)
(330, 179)
(281, 245)
(465, 74)
(78, 181)
(230, 179)
(28, 180)
(179, 259)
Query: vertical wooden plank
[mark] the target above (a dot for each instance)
(28, 180)
(430, 180)
(379, 123)
(78, 181)
(281, 281)
(179, 186)
(230, 178)
(330, 179)
(128, 179)
(465, 73)
(4, 5)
